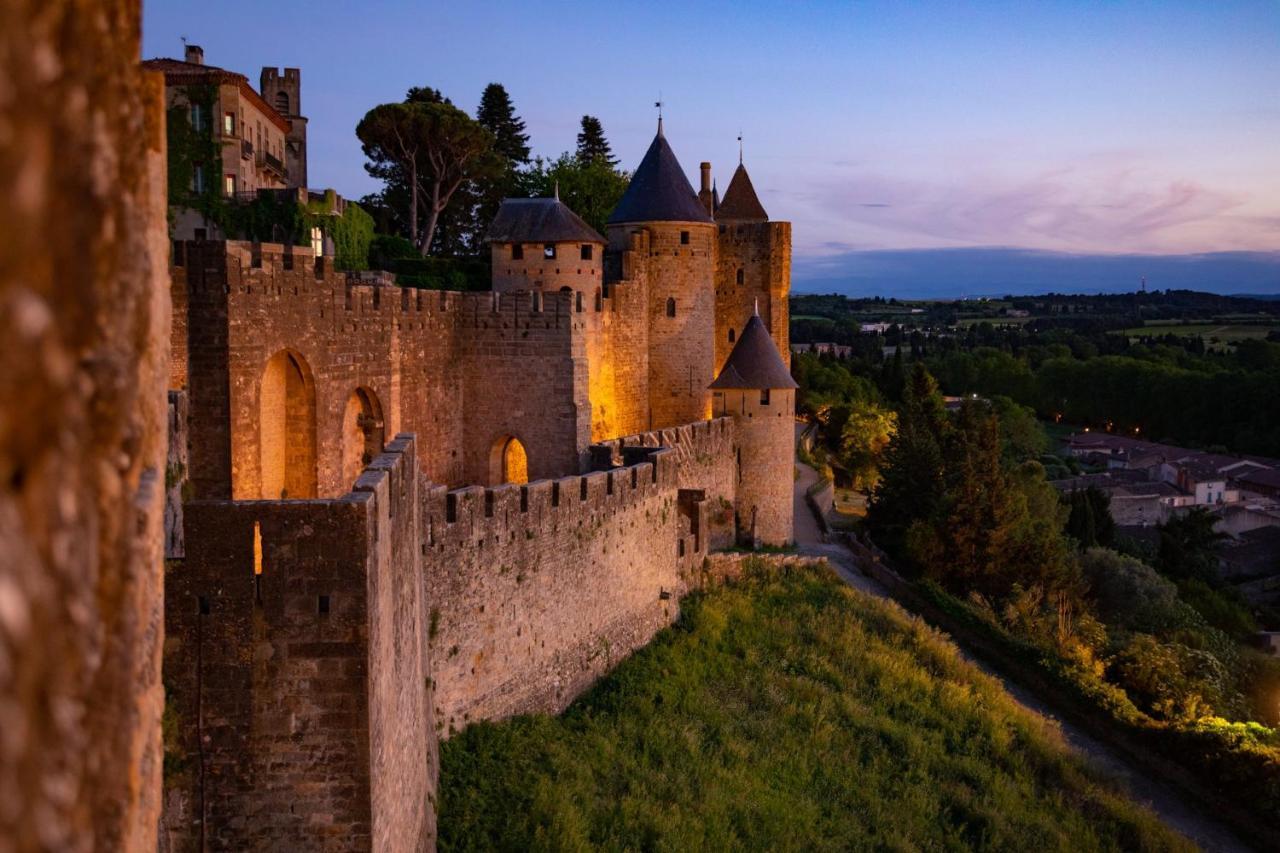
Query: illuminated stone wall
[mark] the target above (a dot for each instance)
(84, 345)
(760, 254)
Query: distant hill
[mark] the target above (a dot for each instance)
(955, 273)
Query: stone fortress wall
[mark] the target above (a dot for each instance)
(461, 370)
(345, 603)
(539, 589)
(297, 672)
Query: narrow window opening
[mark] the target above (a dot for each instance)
(203, 603)
(451, 508)
(764, 396)
(684, 238)
(732, 335)
(549, 251)
(586, 251)
(577, 301)
(741, 276)
(671, 306)
(517, 251)
(257, 548)
(322, 605)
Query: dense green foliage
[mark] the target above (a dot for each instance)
(1077, 362)
(784, 713)
(1155, 646)
(398, 255)
(591, 187)
(498, 166)
(424, 149)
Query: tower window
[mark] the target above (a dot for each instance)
(741, 277)
(684, 238)
(282, 103)
(229, 124)
(229, 185)
(764, 396)
(671, 306)
(586, 251)
(731, 336)
(517, 251)
(549, 250)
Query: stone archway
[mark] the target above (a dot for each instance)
(287, 428)
(363, 433)
(508, 461)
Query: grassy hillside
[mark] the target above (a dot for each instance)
(786, 712)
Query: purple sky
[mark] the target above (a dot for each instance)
(1084, 127)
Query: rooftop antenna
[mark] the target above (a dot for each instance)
(1144, 284)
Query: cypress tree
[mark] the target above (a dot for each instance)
(911, 485)
(498, 115)
(592, 145)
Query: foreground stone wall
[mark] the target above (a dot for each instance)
(84, 325)
(296, 667)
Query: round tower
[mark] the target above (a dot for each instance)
(680, 273)
(540, 245)
(757, 391)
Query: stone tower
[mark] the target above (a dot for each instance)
(680, 269)
(753, 268)
(757, 391)
(284, 93)
(540, 245)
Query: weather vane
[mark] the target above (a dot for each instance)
(739, 146)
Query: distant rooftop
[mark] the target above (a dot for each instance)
(540, 220)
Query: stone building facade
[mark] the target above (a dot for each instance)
(572, 447)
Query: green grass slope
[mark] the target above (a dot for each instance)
(787, 712)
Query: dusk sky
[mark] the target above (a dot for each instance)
(1089, 128)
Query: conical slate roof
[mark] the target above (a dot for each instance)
(659, 190)
(740, 200)
(754, 362)
(539, 220)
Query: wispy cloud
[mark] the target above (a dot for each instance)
(1106, 207)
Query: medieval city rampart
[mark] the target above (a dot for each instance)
(297, 653)
(536, 590)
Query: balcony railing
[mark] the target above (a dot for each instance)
(246, 149)
(271, 163)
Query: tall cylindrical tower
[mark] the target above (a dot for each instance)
(681, 273)
(757, 391)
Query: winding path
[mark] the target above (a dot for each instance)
(1170, 806)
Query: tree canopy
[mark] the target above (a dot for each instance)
(430, 147)
(592, 144)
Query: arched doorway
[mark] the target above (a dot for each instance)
(363, 433)
(508, 462)
(287, 428)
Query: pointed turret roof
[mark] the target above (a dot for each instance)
(754, 362)
(659, 190)
(740, 200)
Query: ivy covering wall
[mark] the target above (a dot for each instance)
(274, 217)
